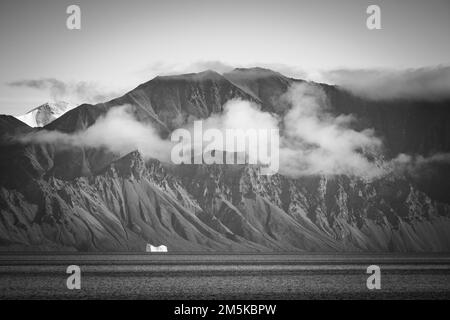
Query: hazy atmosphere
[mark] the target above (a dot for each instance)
(233, 149)
(43, 61)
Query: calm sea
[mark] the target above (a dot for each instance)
(224, 276)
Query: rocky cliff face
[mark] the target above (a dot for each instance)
(94, 200)
(223, 208)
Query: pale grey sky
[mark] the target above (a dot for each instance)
(124, 43)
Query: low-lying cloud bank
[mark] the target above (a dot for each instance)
(73, 92)
(429, 84)
(117, 131)
(165, 69)
(316, 142)
(313, 141)
(411, 163)
(425, 84)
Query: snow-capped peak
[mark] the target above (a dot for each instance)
(44, 114)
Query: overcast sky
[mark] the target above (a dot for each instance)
(124, 43)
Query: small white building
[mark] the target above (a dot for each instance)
(151, 248)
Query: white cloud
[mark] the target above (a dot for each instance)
(117, 131)
(71, 91)
(431, 84)
(316, 142)
(313, 141)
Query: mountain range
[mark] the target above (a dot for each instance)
(88, 198)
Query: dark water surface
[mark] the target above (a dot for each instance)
(224, 276)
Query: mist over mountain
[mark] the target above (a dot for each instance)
(74, 185)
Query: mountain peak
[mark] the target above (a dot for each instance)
(52, 106)
(253, 69)
(264, 84)
(253, 72)
(44, 114)
(199, 76)
(208, 72)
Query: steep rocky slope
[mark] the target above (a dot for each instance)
(223, 208)
(165, 101)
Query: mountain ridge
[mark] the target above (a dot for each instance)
(132, 202)
(162, 105)
(91, 199)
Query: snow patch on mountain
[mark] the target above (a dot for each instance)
(44, 114)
